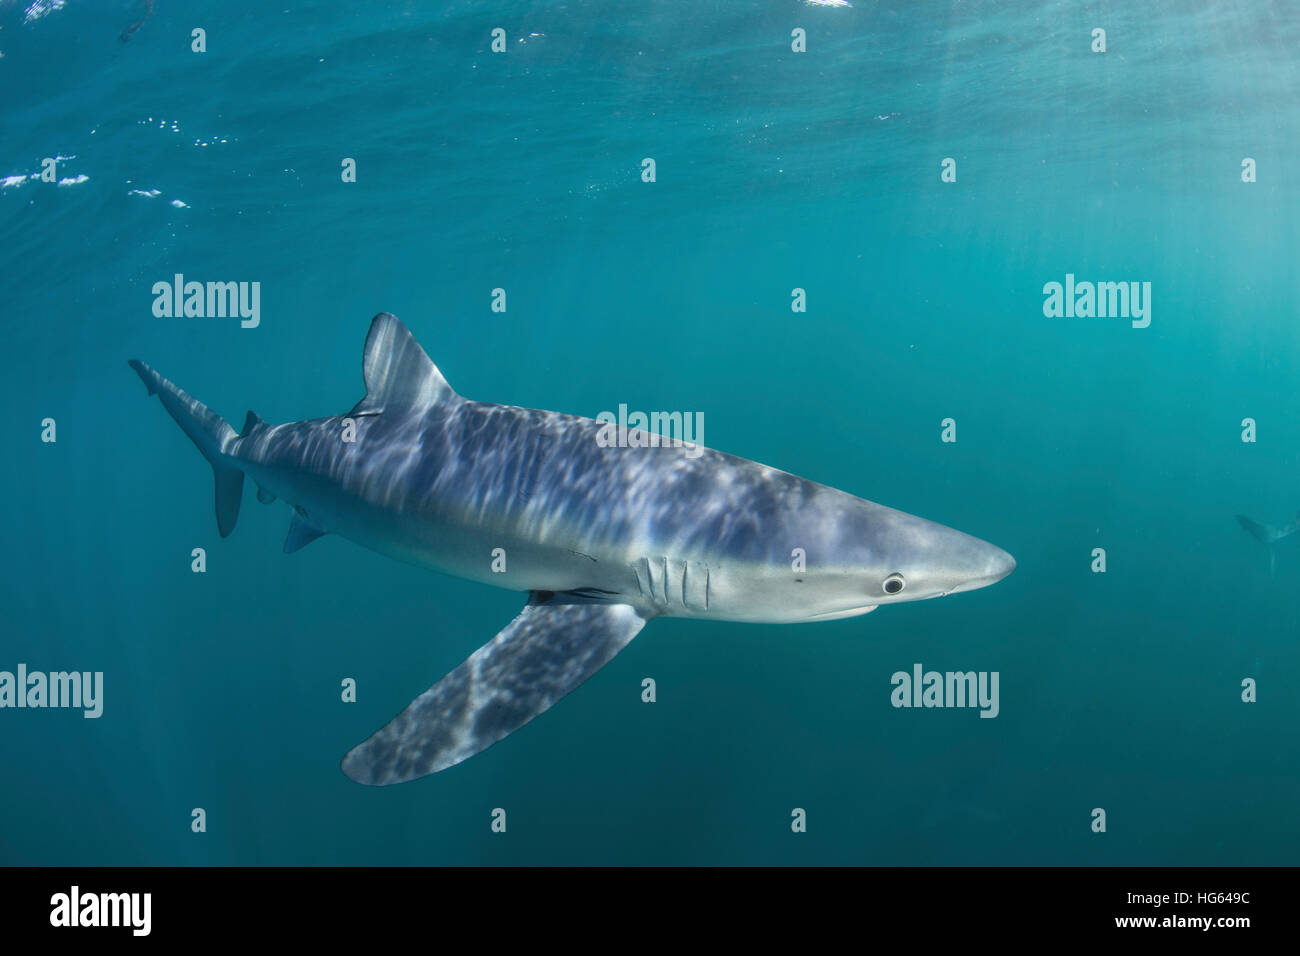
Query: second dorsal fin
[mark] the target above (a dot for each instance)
(252, 422)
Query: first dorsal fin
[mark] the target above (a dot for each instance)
(396, 370)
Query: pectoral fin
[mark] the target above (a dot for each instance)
(544, 653)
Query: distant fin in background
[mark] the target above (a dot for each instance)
(396, 370)
(301, 533)
(210, 434)
(1268, 536)
(1265, 534)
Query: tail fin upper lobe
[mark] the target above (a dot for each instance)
(210, 434)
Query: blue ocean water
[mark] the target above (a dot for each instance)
(774, 170)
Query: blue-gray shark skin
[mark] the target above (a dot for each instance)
(603, 535)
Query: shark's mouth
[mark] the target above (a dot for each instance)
(847, 612)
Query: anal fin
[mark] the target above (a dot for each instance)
(301, 533)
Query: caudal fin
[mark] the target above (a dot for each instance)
(210, 434)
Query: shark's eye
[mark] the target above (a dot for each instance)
(894, 583)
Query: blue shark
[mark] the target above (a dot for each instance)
(602, 536)
(1269, 536)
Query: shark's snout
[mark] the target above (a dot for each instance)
(996, 565)
(939, 560)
